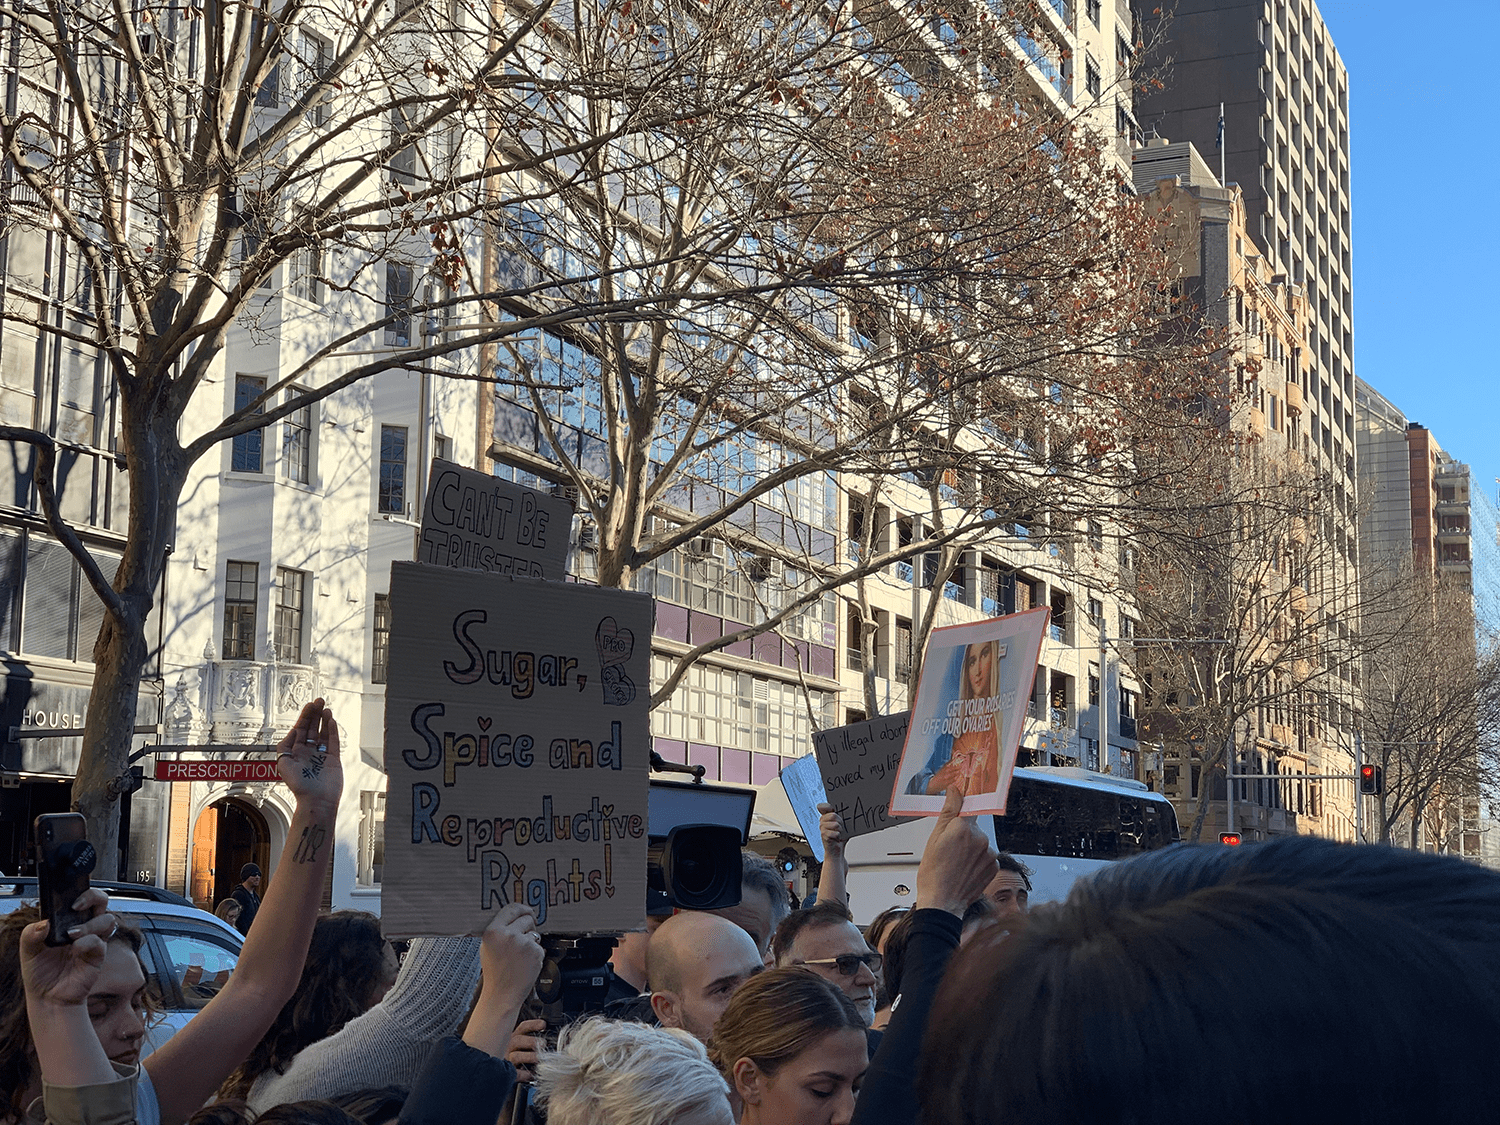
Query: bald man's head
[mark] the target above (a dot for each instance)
(695, 962)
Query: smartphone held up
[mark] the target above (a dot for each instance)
(64, 861)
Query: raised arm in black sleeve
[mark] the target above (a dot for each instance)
(459, 1085)
(889, 1093)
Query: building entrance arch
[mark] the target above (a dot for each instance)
(227, 835)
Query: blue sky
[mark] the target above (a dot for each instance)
(1424, 137)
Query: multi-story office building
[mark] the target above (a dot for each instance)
(1273, 67)
(1421, 508)
(1291, 719)
(1423, 515)
(1259, 88)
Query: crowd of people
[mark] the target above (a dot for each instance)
(1298, 980)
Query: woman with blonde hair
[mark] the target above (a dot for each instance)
(608, 1073)
(793, 1048)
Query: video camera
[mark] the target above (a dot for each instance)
(695, 832)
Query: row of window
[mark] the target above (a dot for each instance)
(248, 454)
(242, 611)
(723, 707)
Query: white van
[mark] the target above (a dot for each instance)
(1062, 823)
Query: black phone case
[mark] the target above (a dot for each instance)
(63, 865)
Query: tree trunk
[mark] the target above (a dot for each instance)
(157, 467)
(109, 728)
(1205, 790)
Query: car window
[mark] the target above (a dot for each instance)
(153, 971)
(200, 962)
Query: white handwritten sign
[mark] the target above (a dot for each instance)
(803, 785)
(477, 522)
(517, 746)
(858, 763)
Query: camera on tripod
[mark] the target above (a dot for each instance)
(693, 863)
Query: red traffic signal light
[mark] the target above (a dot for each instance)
(1371, 780)
(1230, 838)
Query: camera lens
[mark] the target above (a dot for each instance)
(695, 876)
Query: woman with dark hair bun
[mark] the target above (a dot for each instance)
(792, 1048)
(350, 967)
(1298, 980)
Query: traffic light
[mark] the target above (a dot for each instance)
(1371, 780)
(1230, 838)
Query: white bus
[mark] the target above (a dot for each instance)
(1061, 823)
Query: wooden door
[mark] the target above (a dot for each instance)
(205, 849)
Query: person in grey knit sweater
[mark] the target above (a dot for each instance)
(387, 1045)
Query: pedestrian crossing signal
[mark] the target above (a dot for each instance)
(1371, 780)
(1230, 838)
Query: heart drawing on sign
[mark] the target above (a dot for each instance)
(619, 689)
(615, 646)
(614, 643)
(484, 722)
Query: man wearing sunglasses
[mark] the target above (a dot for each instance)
(825, 939)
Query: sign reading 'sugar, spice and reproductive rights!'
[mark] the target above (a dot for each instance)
(517, 747)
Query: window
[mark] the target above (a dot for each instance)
(291, 592)
(1091, 80)
(306, 269)
(296, 443)
(1093, 685)
(1092, 7)
(269, 92)
(241, 589)
(398, 304)
(1096, 535)
(380, 658)
(248, 452)
(60, 613)
(371, 839)
(855, 640)
(404, 160)
(1096, 613)
(199, 961)
(442, 447)
(904, 650)
(256, 218)
(316, 53)
(393, 470)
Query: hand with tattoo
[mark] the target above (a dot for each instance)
(309, 762)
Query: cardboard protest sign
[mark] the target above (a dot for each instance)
(804, 792)
(517, 746)
(970, 710)
(858, 763)
(474, 521)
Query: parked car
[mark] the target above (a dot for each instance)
(189, 953)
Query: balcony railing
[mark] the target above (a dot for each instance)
(239, 701)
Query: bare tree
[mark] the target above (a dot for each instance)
(1263, 651)
(750, 247)
(1431, 711)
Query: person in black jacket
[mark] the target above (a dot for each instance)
(957, 864)
(245, 894)
(468, 1081)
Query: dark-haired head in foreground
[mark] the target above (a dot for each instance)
(1298, 980)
